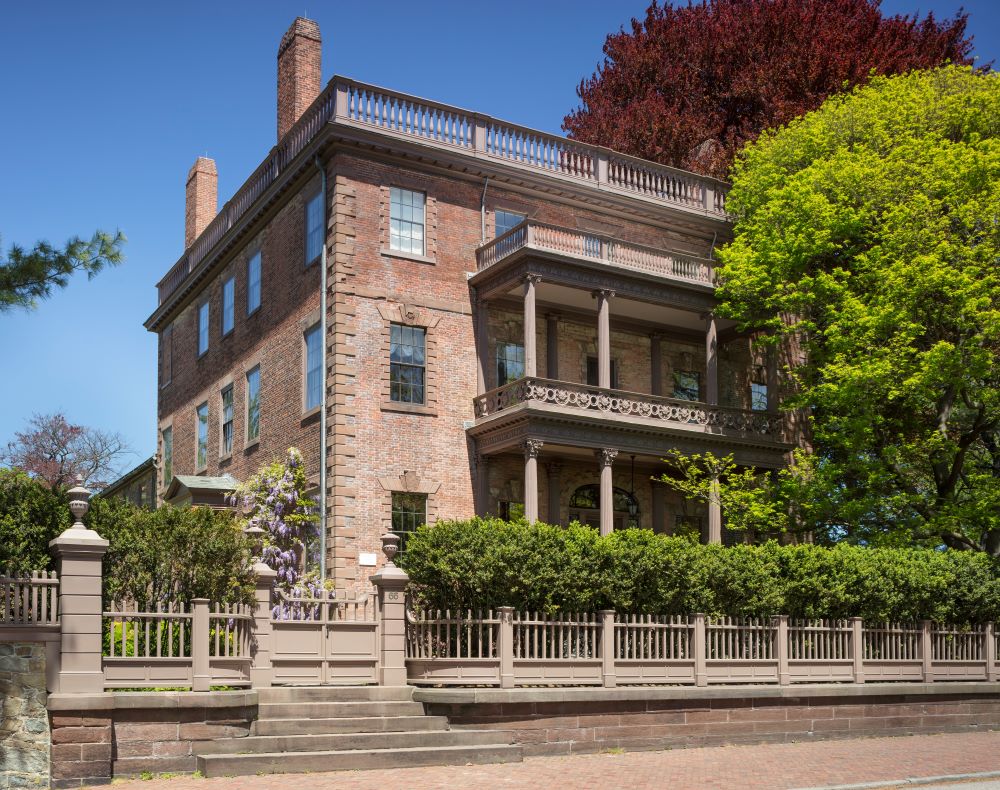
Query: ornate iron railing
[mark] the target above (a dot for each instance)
(632, 404)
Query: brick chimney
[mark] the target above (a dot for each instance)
(201, 198)
(298, 72)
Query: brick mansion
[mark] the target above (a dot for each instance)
(449, 315)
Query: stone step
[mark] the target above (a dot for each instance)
(363, 759)
(354, 741)
(279, 694)
(346, 724)
(333, 710)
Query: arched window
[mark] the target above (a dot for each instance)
(585, 507)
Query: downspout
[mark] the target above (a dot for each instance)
(482, 210)
(322, 408)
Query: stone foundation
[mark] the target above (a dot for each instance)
(564, 721)
(24, 726)
(99, 736)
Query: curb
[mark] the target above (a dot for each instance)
(913, 781)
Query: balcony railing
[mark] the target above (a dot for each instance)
(351, 103)
(687, 414)
(594, 247)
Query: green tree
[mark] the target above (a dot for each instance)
(26, 276)
(867, 242)
(31, 514)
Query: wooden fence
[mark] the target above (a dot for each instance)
(506, 648)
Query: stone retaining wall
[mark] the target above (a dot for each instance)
(563, 721)
(24, 726)
(99, 736)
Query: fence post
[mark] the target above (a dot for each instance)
(261, 672)
(608, 673)
(858, 649)
(781, 649)
(80, 552)
(201, 677)
(506, 646)
(391, 581)
(700, 651)
(990, 651)
(926, 650)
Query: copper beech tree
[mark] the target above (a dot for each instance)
(688, 86)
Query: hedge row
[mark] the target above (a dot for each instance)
(488, 563)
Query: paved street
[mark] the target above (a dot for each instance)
(795, 765)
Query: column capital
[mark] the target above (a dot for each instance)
(534, 279)
(532, 447)
(606, 455)
(605, 293)
(553, 315)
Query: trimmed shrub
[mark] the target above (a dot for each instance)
(485, 563)
(31, 515)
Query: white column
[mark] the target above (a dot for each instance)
(530, 331)
(711, 361)
(714, 514)
(531, 450)
(606, 457)
(604, 337)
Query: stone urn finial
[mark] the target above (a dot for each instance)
(79, 502)
(390, 547)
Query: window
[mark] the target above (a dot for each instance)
(406, 221)
(203, 329)
(166, 355)
(168, 455)
(592, 373)
(406, 363)
(201, 460)
(510, 362)
(227, 420)
(505, 220)
(228, 305)
(314, 368)
(253, 404)
(314, 227)
(687, 385)
(758, 396)
(585, 506)
(409, 511)
(253, 282)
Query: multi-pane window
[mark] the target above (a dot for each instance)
(314, 368)
(407, 345)
(593, 372)
(406, 221)
(253, 282)
(506, 220)
(168, 456)
(758, 396)
(314, 227)
(201, 459)
(409, 511)
(228, 305)
(166, 355)
(253, 404)
(203, 328)
(510, 362)
(227, 420)
(687, 385)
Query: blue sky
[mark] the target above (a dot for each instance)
(106, 106)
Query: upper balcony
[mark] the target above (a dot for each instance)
(360, 113)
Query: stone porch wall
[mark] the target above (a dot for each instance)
(24, 727)
(99, 736)
(564, 721)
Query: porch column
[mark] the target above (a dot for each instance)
(711, 361)
(483, 483)
(604, 337)
(606, 456)
(655, 365)
(772, 379)
(482, 345)
(714, 514)
(531, 450)
(659, 507)
(530, 332)
(552, 346)
(555, 486)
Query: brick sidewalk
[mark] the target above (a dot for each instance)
(773, 766)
